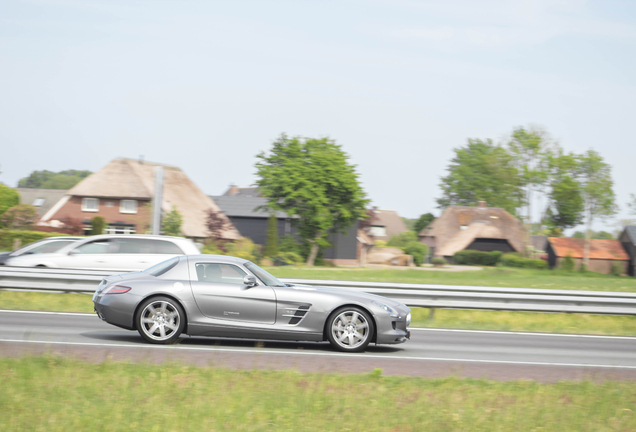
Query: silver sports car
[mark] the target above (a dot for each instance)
(221, 296)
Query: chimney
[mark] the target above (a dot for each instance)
(482, 204)
(232, 190)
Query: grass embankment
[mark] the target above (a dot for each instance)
(57, 394)
(443, 318)
(489, 276)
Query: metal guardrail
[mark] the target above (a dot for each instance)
(413, 295)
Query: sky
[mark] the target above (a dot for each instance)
(208, 85)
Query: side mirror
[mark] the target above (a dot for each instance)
(250, 281)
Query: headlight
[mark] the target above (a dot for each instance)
(408, 319)
(393, 313)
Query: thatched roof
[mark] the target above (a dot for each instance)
(390, 220)
(459, 226)
(133, 179)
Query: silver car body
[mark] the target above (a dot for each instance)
(110, 252)
(232, 309)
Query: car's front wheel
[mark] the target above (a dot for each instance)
(160, 320)
(350, 329)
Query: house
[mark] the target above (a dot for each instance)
(477, 228)
(603, 253)
(122, 193)
(385, 224)
(41, 199)
(242, 208)
(628, 240)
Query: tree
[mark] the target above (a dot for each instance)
(98, 223)
(530, 149)
(313, 179)
(632, 204)
(9, 197)
(482, 171)
(217, 223)
(52, 180)
(22, 216)
(565, 207)
(596, 189)
(271, 245)
(171, 223)
(424, 221)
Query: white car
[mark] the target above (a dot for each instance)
(111, 252)
(47, 245)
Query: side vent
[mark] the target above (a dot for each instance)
(296, 314)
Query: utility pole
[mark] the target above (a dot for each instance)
(156, 201)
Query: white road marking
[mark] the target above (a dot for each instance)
(521, 333)
(313, 353)
(48, 313)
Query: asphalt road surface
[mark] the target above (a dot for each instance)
(430, 352)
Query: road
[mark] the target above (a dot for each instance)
(430, 352)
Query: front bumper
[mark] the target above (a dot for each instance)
(392, 330)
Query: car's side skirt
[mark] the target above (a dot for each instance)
(251, 333)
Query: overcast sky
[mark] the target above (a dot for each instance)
(207, 85)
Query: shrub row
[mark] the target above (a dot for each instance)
(8, 236)
(512, 260)
(473, 257)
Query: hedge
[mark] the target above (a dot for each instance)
(474, 257)
(511, 260)
(26, 237)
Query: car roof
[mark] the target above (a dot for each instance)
(218, 258)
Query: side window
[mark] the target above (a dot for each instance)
(49, 247)
(166, 247)
(94, 247)
(219, 273)
(132, 246)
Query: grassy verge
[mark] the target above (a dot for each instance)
(56, 394)
(442, 318)
(489, 276)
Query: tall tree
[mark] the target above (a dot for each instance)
(9, 197)
(530, 149)
(482, 171)
(51, 180)
(271, 244)
(596, 182)
(565, 207)
(313, 179)
(423, 221)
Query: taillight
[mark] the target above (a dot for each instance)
(116, 289)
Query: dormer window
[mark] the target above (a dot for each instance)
(90, 204)
(128, 206)
(38, 202)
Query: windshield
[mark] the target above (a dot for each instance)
(267, 278)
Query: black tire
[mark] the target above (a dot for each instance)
(160, 320)
(346, 335)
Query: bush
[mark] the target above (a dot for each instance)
(473, 257)
(402, 239)
(616, 269)
(510, 260)
(380, 243)
(211, 248)
(271, 244)
(286, 258)
(583, 268)
(98, 223)
(9, 197)
(288, 244)
(8, 236)
(417, 250)
(20, 217)
(242, 248)
(567, 263)
(438, 262)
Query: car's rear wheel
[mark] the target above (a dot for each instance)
(160, 320)
(350, 329)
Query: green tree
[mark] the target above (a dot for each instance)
(402, 239)
(271, 244)
(171, 224)
(20, 217)
(565, 202)
(9, 197)
(423, 221)
(482, 171)
(596, 182)
(98, 223)
(530, 149)
(313, 179)
(51, 180)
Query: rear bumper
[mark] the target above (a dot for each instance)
(117, 309)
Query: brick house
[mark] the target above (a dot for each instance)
(122, 192)
(603, 254)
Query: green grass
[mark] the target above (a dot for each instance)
(443, 318)
(489, 276)
(56, 394)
